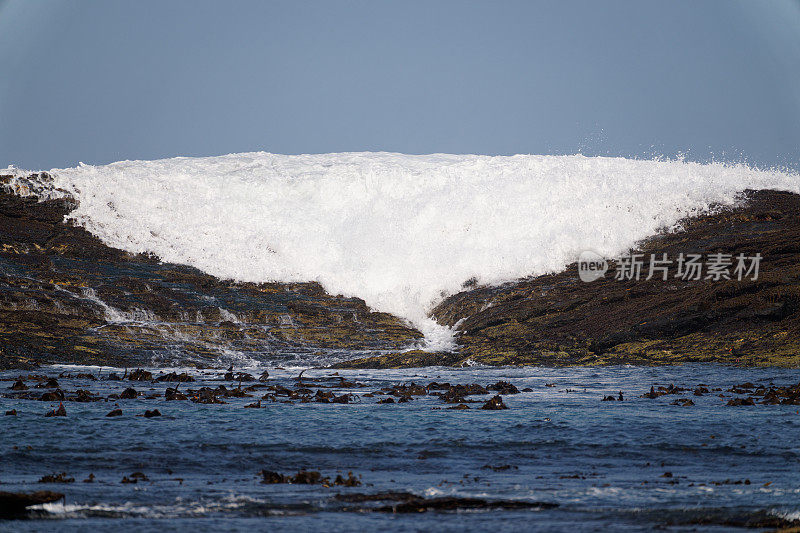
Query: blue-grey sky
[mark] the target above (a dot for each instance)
(100, 81)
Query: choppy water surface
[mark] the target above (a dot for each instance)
(630, 465)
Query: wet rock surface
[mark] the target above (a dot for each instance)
(406, 502)
(67, 297)
(559, 320)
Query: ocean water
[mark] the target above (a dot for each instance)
(633, 465)
(399, 231)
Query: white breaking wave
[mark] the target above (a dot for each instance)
(399, 231)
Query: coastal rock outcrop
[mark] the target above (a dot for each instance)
(559, 320)
(67, 297)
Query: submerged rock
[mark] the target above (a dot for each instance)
(683, 402)
(60, 411)
(174, 377)
(305, 477)
(406, 502)
(57, 478)
(134, 478)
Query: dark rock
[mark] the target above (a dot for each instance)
(683, 402)
(54, 396)
(269, 477)
(19, 385)
(83, 396)
(57, 412)
(15, 504)
(151, 414)
(503, 387)
(458, 393)
(239, 376)
(12, 412)
(323, 396)
(115, 412)
(407, 390)
(306, 477)
(140, 375)
(736, 402)
(56, 478)
(51, 383)
(173, 394)
(345, 398)
(134, 478)
(174, 377)
(500, 468)
(405, 502)
(349, 481)
(128, 394)
(206, 395)
(495, 403)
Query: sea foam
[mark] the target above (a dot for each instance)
(399, 231)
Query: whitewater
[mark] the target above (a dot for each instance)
(399, 231)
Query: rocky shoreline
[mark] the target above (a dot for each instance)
(559, 320)
(65, 297)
